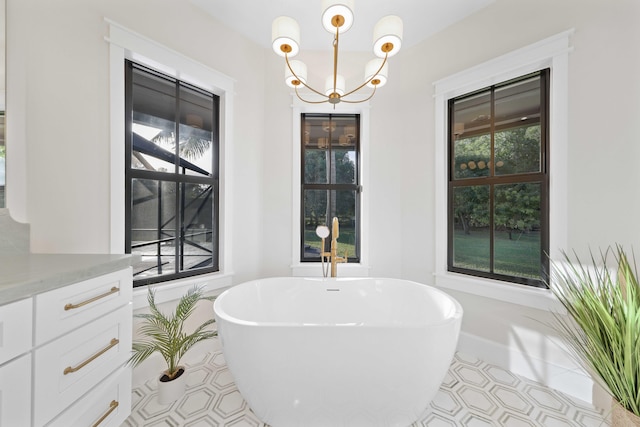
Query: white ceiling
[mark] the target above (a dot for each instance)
(422, 18)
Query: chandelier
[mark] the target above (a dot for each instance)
(337, 18)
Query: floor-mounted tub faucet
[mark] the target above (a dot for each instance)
(330, 257)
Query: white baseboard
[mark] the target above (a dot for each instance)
(571, 380)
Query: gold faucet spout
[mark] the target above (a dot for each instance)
(335, 259)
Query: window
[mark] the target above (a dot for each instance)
(171, 184)
(330, 187)
(498, 203)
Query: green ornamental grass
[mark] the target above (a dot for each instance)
(603, 326)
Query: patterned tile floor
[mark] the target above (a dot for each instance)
(473, 394)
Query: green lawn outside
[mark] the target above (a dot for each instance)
(517, 257)
(346, 236)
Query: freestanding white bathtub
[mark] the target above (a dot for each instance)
(337, 352)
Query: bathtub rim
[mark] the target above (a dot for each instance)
(454, 316)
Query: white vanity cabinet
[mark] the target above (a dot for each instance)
(15, 363)
(82, 335)
(63, 354)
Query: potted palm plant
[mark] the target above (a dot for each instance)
(602, 327)
(165, 334)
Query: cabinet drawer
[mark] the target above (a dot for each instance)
(15, 329)
(67, 368)
(15, 392)
(108, 405)
(67, 308)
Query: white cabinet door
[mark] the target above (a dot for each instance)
(15, 392)
(15, 329)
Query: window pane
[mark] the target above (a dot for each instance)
(197, 247)
(517, 102)
(330, 146)
(518, 150)
(196, 132)
(517, 245)
(322, 166)
(315, 165)
(345, 202)
(517, 137)
(471, 228)
(472, 156)
(153, 126)
(320, 207)
(345, 166)
(471, 136)
(315, 214)
(316, 137)
(153, 226)
(343, 146)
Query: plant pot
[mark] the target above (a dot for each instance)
(171, 390)
(620, 417)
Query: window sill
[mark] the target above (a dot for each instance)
(541, 299)
(314, 269)
(175, 289)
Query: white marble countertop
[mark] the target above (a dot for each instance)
(26, 275)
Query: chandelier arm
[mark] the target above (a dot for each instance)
(365, 83)
(309, 102)
(362, 100)
(335, 60)
(286, 58)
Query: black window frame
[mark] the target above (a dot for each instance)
(356, 186)
(175, 177)
(542, 177)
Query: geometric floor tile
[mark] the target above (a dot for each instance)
(473, 394)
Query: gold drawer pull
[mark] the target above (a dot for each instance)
(112, 407)
(89, 301)
(69, 369)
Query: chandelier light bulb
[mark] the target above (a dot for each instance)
(300, 70)
(339, 89)
(285, 36)
(379, 79)
(337, 8)
(387, 36)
